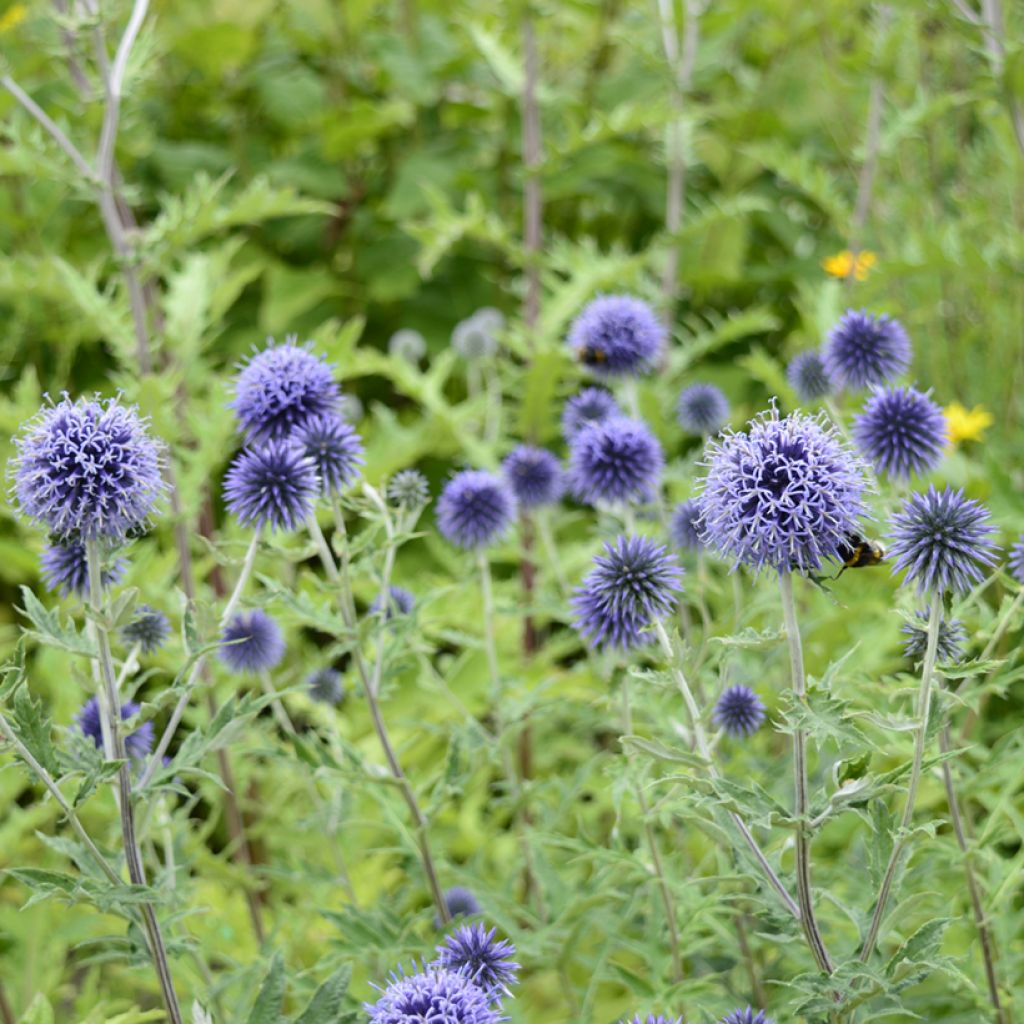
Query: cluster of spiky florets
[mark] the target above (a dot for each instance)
(399, 602)
(738, 711)
(475, 508)
(901, 431)
(862, 350)
(616, 335)
(535, 475)
(138, 744)
(252, 642)
(477, 951)
(702, 409)
(808, 377)
(149, 628)
(684, 528)
(64, 568)
(326, 686)
(591, 405)
(950, 641)
(615, 461)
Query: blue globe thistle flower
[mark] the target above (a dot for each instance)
(275, 485)
(433, 997)
(591, 405)
(685, 526)
(64, 569)
(326, 686)
(951, 639)
(400, 602)
(408, 488)
(281, 389)
(862, 350)
(631, 585)
(475, 951)
(335, 448)
(138, 744)
(943, 540)
(476, 337)
(475, 508)
(808, 378)
(702, 409)
(617, 335)
(407, 344)
(88, 470)
(461, 902)
(618, 460)
(1015, 563)
(535, 475)
(902, 431)
(738, 711)
(149, 629)
(253, 642)
(786, 494)
(747, 1016)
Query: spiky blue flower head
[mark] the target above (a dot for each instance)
(88, 470)
(252, 641)
(901, 431)
(685, 526)
(618, 460)
(64, 568)
(702, 409)
(616, 335)
(951, 639)
(1015, 563)
(475, 508)
(862, 350)
(408, 488)
(435, 996)
(149, 628)
(476, 337)
(591, 405)
(138, 744)
(943, 540)
(534, 474)
(631, 585)
(477, 952)
(808, 377)
(326, 686)
(400, 602)
(281, 389)
(335, 448)
(784, 495)
(407, 344)
(738, 711)
(461, 902)
(274, 485)
(746, 1016)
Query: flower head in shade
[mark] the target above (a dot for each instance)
(281, 389)
(1015, 563)
(615, 461)
(274, 485)
(436, 996)
(784, 495)
(943, 540)
(475, 508)
(64, 568)
(476, 951)
(335, 448)
(685, 526)
(591, 405)
(88, 470)
(631, 585)
(535, 475)
(862, 350)
(808, 378)
(408, 488)
(252, 642)
(746, 1016)
(702, 409)
(951, 640)
(149, 629)
(138, 744)
(407, 344)
(326, 686)
(617, 335)
(902, 432)
(461, 902)
(350, 409)
(476, 337)
(738, 711)
(400, 602)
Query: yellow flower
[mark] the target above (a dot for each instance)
(967, 425)
(12, 17)
(843, 263)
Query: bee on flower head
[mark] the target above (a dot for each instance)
(857, 552)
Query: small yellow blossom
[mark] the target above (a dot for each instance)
(843, 263)
(967, 424)
(12, 17)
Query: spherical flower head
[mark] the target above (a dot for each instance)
(535, 475)
(350, 409)
(280, 389)
(408, 488)
(326, 686)
(746, 1016)
(476, 337)
(784, 495)
(862, 350)
(436, 996)
(273, 485)
(407, 344)
(617, 335)
(400, 602)
(943, 540)
(591, 405)
(252, 642)
(476, 951)
(902, 432)
(149, 629)
(461, 902)
(808, 377)
(1015, 563)
(702, 409)
(138, 744)
(64, 569)
(951, 639)
(335, 448)
(685, 526)
(631, 585)
(475, 508)
(738, 711)
(618, 460)
(88, 470)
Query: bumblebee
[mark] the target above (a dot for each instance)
(590, 356)
(857, 552)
